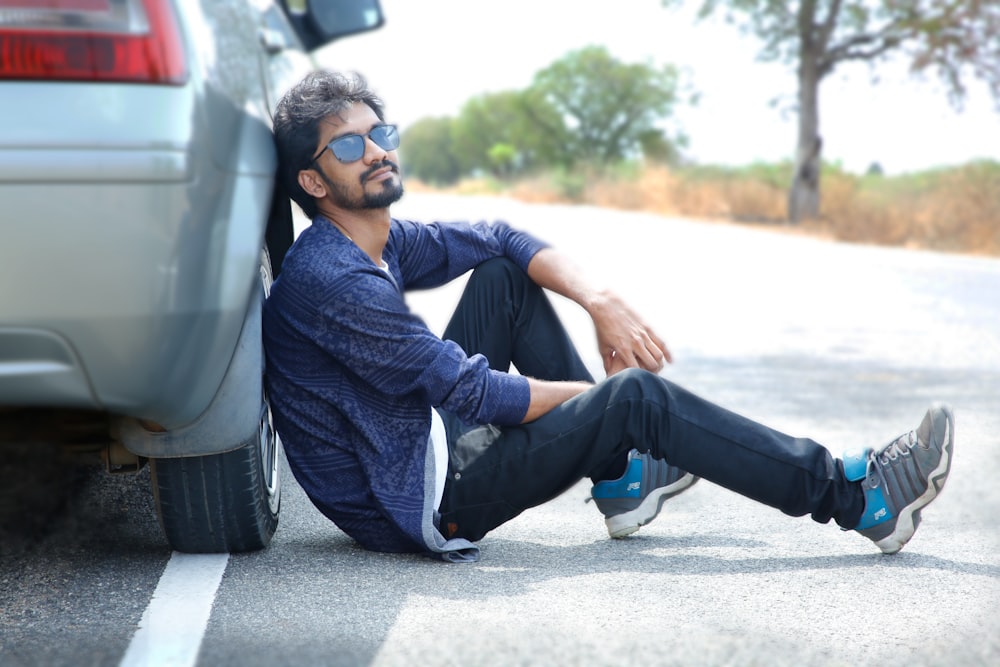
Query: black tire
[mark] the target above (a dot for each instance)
(223, 502)
(218, 503)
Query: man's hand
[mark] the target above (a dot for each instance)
(623, 338)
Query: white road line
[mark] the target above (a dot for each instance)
(172, 627)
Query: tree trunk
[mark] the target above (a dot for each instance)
(803, 199)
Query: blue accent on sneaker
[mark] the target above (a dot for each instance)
(856, 469)
(629, 485)
(635, 499)
(856, 464)
(876, 510)
(901, 478)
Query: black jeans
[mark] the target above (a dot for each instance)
(495, 473)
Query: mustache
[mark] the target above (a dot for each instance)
(379, 165)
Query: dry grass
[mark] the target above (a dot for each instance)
(956, 210)
(952, 210)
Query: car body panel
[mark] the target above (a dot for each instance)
(132, 218)
(150, 246)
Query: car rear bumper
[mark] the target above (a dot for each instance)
(127, 260)
(40, 367)
(131, 313)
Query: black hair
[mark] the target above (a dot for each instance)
(297, 121)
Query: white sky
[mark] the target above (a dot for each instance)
(433, 55)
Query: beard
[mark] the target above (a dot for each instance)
(391, 192)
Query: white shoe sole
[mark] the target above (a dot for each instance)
(626, 523)
(909, 516)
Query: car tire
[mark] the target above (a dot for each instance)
(226, 502)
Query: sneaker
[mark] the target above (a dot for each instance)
(634, 499)
(901, 478)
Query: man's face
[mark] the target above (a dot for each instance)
(371, 182)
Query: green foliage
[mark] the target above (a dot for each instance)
(657, 147)
(604, 106)
(483, 122)
(983, 174)
(429, 152)
(569, 183)
(626, 171)
(511, 118)
(585, 108)
(502, 157)
(955, 38)
(778, 174)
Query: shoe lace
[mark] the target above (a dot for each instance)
(901, 446)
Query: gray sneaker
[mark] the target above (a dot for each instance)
(901, 478)
(636, 497)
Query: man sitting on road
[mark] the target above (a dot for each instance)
(414, 443)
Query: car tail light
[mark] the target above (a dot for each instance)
(91, 40)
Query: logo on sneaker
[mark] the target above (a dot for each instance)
(880, 514)
(634, 486)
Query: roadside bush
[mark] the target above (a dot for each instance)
(955, 209)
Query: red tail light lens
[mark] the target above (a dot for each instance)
(91, 40)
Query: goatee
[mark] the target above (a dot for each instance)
(392, 192)
(392, 189)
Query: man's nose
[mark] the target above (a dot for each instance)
(374, 152)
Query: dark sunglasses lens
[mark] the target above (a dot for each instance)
(386, 137)
(352, 147)
(349, 148)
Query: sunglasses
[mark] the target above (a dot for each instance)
(351, 147)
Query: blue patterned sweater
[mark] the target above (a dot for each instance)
(352, 375)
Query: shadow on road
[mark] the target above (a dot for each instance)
(36, 488)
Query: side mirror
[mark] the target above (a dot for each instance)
(319, 22)
(336, 18)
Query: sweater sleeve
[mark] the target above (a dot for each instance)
(432, 254)
(358, 317)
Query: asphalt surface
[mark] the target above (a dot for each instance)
(844, 344)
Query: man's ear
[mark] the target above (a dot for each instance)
(310, 181)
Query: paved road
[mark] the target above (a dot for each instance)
(843, 343)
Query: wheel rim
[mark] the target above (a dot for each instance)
(270, 444)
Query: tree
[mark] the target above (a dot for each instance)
(658, 147)
(503, 118)
(503, 157)
(603, 107)
(483, 122)
(957, 38)
(427, 145)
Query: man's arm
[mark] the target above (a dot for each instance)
(623, 338)
(546, 395)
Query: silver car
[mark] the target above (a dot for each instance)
(139, 220)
